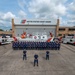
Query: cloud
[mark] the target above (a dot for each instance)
(63, 22)
(22, 14)
(5, 19)
(22, 4)
(48, 9)
(45, 8)
(61, 9)
(8, 16)
(1, 23)
(71, 16)
(71, 6)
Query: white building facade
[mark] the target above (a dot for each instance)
(35, 26)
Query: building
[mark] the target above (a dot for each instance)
(35, 26)
(38, 26)
(66, 31)
(4, 33)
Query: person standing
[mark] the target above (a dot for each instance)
(24, 55)
(35, 59)
(47, 55)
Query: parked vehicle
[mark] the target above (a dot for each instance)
(72, 41)
(5, 40)
(67, 39)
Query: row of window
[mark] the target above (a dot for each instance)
(65, 35)
(70, 29)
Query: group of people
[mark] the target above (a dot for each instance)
(35, 57)
(36, 45)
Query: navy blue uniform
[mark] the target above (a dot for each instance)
(13, 45)
(58, 46)
(47, 55)
(24, 55)
(35, 59)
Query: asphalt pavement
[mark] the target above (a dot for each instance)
(62, 62)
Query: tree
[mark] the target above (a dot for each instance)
(1, 30)
(10, 29)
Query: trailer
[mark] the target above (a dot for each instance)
(5, 40)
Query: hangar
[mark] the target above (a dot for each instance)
(35, 26)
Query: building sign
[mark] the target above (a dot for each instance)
(35, 21)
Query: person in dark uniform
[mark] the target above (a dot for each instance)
(58, 46)
(47, 55)
(36, 59)
(24, 55)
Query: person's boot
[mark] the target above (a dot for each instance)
(37, 64)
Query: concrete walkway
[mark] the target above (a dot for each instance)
(61, 62)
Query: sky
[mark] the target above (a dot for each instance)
(41, 9)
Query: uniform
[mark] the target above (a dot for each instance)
(35, 59)
(24, 55)
(47, 55)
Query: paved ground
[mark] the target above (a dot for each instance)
(61, 62)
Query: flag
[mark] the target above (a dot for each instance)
(35, 37)
(49, 40)
(51, 34)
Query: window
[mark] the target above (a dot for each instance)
(61, 29)
(59, 34)
(70, 34)
(71, 29)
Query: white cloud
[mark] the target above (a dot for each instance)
(8, 15)
(71, 6)
(53, 9)
(45, 8)
(60, 9)
(71, 16)
(63, 22)
(22, 4)
(71, 21)
(5, 19)
(1, 23)
(50, 9)
(22, 14)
